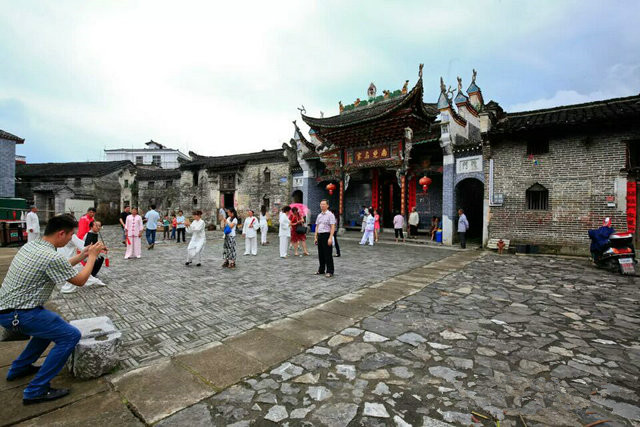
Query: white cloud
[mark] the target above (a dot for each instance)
(621, 80)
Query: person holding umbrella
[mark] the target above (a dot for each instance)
(298, 231)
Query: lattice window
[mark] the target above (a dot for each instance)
(537, 147)
(537, 198)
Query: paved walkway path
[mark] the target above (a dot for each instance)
(534, 340)
(165, 385)
(164, 307)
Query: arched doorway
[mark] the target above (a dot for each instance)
(297, 196)
(469, 197)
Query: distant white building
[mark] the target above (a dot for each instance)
(155, 154)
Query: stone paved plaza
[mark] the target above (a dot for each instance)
(535, 340)
(164, 307)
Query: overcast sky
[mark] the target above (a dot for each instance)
(226, 77)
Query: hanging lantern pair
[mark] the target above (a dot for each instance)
(331, 187)
(425, 181)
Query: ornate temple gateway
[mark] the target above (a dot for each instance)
(376, 151)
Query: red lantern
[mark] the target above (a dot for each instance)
(425, 182)
(330, 188)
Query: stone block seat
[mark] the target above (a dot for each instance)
(97, 352)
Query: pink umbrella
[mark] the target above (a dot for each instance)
(303, 209)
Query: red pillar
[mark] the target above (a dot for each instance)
(341, 211)
(412, 192)
(402, 195)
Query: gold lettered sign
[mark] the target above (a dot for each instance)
(372, 154)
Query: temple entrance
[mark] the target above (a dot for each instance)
(469, 197)
(390, 198)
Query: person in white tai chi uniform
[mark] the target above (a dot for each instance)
(250, 231)
(74, 247)
(264, 225)
(284, 231)
(33, 225)
(198, 239)
(370, 222)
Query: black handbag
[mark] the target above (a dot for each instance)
(301, 229)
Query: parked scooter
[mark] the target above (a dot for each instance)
(619, 255)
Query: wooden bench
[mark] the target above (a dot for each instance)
(493, 244)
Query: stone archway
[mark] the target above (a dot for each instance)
(470, 198)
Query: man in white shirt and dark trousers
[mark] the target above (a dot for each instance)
(249, 229)
(325, 228)
(463, 226)
(33, 225)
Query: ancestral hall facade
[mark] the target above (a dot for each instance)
(374, 152)
(538, 178)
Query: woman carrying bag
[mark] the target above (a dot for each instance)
(229, 252)
(298, 232)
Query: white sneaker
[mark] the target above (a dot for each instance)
(100, 282)
(68, 288)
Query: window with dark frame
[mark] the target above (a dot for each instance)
(151, 184)
(229, 181)
(139, 160)
(195, 202)
(77, 182)
(156, 160)
(168, 183)
(126, 183)
(537, 198)
(267, 175)
(633, 154)
(537, 147)
(195, 178)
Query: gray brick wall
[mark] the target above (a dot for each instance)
(578, 172)
(7, 168)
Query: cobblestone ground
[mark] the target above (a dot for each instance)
(540, 341)
(164, 307)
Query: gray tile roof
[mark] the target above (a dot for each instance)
(11, 137)
(605, 111)
(69, 170)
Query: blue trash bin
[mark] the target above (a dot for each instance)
(439, 236)
(313, 228)
(352, 223)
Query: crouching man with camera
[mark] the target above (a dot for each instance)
(32, 276)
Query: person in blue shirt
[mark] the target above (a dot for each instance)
(151, 218)
(600, 238)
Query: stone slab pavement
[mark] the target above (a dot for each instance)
(164, 307)
(516, 340)
(168, 385)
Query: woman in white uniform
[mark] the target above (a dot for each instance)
(249, 229)
(264, 225)
(369, 226)
(284, 231)
(198, 239)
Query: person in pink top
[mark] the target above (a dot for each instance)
(134, 228)
(376, 225)
(398, 225)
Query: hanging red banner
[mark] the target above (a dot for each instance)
(631, 206)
